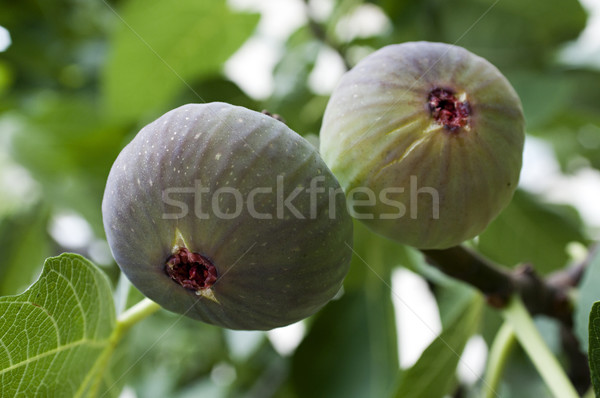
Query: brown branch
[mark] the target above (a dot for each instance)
(571, 276)
(541, 296)
(547, 296)
(578, 369)
(467, 266)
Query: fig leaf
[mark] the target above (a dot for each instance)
(52, 335)
(154, 43)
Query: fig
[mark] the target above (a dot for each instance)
(227, 216)
(426, 140)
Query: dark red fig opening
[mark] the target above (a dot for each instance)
(191, 270)
(448, 110)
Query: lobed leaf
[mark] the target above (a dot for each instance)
(52, 334)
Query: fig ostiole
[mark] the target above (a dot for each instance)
(226, 215)
(435, 135)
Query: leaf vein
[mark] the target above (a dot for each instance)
(92, 343)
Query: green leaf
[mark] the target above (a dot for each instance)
(553, 86)
(531, 231)
(360, 358)
(292, 98)
(569, 117)
(357, 332)
(537, 28)
(520, 379)
(177, 351)
(374, 255)
(160, 45)
(434, 373)
(116, 373)
(594, 351)
(588, 295)
(52, 335)
(19, 233)
(394, 8)
(452, 298)
(68, 146)
(261, 374)
(217, 88)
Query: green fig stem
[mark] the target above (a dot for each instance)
(125, 322)
(133, 315)
(531, 340)
(502, 346)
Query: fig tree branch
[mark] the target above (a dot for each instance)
(547, 296)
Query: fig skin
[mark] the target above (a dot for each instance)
(382, 126)
(269, 272)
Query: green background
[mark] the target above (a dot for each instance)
(81, 77)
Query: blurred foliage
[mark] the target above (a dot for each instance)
(174, 351)
(588, 295)
(353, 337)
(82, 76)
(595, 346)
(181, 41)
(25, 245)
(528, 231)
(438, 362)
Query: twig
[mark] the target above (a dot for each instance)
(541, 296)
(579, 371)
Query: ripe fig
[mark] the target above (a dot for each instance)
(225, 215)
(427, 140)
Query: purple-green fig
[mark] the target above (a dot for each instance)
(226, 215)
(427, 141)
